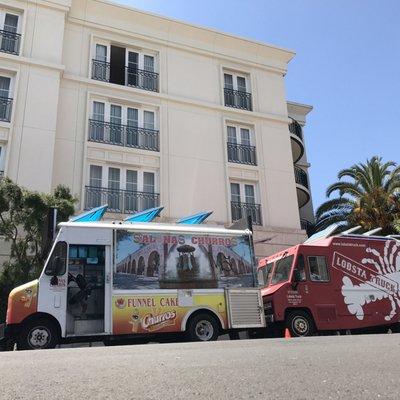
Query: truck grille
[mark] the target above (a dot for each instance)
(245, 308)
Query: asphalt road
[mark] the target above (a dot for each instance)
(335, 367)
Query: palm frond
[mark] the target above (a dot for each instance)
(349, 188)
(334, 205)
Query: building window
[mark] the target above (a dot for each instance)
(5, 99)
(241, 145)
(244, 202)
(124, 190)
(123, 126)
(9, 37)
(123, 66)
(237, 91)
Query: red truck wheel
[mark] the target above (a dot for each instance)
(300, 323)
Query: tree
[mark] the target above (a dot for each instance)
(370, 198)
(23, 216)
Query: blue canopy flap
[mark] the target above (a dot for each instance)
(95, 214)
(145, 216)
(195, 219)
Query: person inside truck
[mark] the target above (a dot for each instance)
(315, 273)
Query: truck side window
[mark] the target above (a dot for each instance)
(58, 260)
(301, 267)
(318, 269)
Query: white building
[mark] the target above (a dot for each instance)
(136, 110)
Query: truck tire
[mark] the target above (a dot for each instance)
(38, 334)
(300, 323)
(203, 328)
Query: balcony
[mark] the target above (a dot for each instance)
(296, 136)
(9, 42)
(240, 210)
(134, 77)
(241, 154)
(302, 186)
(5, 109)
(238, 99)
(120, 201)
(123, 135)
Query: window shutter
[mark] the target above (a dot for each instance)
(148, 182)
(95, 175)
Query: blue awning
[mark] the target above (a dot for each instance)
(95, 214)
(195, 219)
(145, 216)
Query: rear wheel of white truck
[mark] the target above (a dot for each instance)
(38, 334)
(300, 323)
(203, 328)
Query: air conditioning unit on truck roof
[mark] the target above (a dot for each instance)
(133, 281)
(333, 282)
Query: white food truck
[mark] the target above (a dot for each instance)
(133, 281)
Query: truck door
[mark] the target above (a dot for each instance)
(298, 295)
(321, 292)
(86, 289)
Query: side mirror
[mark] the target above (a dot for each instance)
(296, 278)
(58, 265)
(54, 281)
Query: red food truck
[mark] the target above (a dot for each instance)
(343, 282)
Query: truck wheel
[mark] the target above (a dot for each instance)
(300, 323)
(203, 328)
(38, 334)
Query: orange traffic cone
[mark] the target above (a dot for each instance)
(287, 334)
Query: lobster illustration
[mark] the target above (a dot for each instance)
(387, 268)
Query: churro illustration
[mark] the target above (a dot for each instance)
(135, 321)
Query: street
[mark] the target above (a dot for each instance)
(330, 367)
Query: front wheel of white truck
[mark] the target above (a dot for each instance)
(203, 328)
(38, 334)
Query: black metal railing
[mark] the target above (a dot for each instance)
(304, 224)
(301, 177)
(123, 135)
(134, 77)
(242, 154)
(238, 99)
(120, 201)
(5, 109)
(240, 210)
(10, 42)
(295, 128)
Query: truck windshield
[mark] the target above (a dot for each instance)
(264, 274)
(282, 270)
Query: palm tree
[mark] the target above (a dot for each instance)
(370, 198)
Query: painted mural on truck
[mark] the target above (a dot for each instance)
(187, 261)
(155, 313)
(375, 279)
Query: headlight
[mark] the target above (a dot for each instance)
(268, 305)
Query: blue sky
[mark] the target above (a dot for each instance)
(347, 67)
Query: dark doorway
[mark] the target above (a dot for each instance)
(117, 65)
